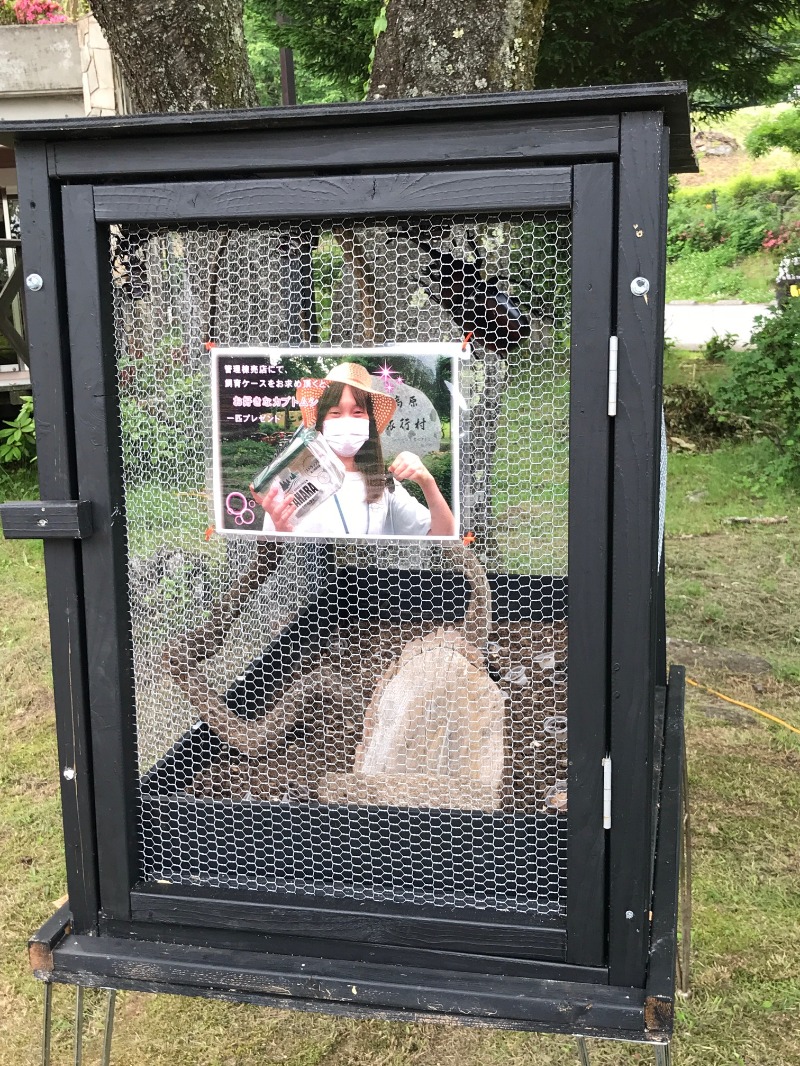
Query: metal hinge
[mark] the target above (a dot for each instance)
(607, 792)
(613, 349)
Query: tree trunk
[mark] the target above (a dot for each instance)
(448, 47)
(179, 55)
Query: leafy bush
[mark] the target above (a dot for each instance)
(764, 387)
(743, 217)
(440, 465)
(18, 440)
(783, 131)
(157, 403)
(716, 348)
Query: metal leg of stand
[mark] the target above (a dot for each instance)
(583, 1050)
(47, 1020)
(663, 1056)
(78, 1058)
(109, 1028)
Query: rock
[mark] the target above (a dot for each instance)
(713, 142)
(416, 426)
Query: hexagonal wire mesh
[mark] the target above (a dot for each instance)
(249, 753)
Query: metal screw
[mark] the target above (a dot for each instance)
(42, 522)
(34, 282)
(628, 915)
(640, 286)
(69, 773)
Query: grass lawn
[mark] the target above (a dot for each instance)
(732, 587)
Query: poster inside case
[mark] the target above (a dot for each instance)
(337, 442)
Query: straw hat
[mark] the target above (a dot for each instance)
(357, 377)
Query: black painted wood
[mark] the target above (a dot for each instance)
(461, 996)
(333, 196)
(440, 144)
(351, 950)
(669, 97)
(54, 929)
(641, 230)
(495, 937)
(46, 519)
(100, 480)
(428, 963)
(354, 1011)
(659, 710)
(592, 274)
(40, 220)
(660, 987)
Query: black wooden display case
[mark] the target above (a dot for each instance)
(605, 966)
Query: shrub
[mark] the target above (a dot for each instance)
(18, 439)
(743, 217)
(718, 347)
(780, 132)
(440, 465)
(764, 387)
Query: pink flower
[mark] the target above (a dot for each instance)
(39, 12)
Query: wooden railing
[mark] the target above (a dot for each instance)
(12, 325)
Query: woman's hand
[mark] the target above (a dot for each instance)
(409, 467)
(278, 506)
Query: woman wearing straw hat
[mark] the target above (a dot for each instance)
(351, 414)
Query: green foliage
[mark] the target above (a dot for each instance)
(727, 50)
(783, 131)
(713, 276)
(718, 347)
(764, 387)
(18, 439)
(440, 465)
(744, 215)
(159, 398)
(263, 49)
(242, 459)
(7, 15)
(725, 242)
(331, 39)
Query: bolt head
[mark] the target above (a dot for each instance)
(640, 286)
(69, 773)
(34, 282)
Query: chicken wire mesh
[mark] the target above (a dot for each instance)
(265, 671)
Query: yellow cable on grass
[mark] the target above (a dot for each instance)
(747, 707)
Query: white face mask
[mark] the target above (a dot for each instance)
(346, 435)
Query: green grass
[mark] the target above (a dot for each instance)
(708, 276)
(735, 587)
(739, 123)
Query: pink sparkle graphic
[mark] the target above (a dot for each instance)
(389, 383)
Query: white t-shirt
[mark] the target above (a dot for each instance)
(393, 514)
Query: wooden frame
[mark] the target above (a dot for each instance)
(87, 210)
(604, 154)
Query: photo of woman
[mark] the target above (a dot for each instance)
(351, 413)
